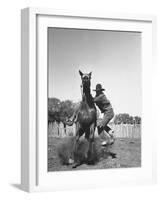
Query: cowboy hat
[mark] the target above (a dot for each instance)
(99, 87)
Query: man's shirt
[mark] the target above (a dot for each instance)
(102, 102)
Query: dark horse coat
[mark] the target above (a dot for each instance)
(86, 116)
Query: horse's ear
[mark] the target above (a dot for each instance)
(81, 74)
(90, 74)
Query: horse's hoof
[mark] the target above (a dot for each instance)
(104, 143)
(91, 162)
(70, 161)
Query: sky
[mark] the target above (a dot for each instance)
(113, 57)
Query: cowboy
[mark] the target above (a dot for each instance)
(105, 107)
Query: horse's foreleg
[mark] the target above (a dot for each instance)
(91, 143)
(79, 133)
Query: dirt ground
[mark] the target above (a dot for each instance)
(127, 150)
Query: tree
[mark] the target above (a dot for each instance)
(126, 119)
(60, 110)
(66, 109)
(54, 111)
(137, 120)
(54, 106)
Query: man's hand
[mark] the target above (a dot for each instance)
(69, 122)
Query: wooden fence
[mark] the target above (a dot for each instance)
(127, 130)
(120, 131)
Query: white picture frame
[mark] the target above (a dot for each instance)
(34, 175)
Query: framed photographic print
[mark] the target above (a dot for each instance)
(86, 107)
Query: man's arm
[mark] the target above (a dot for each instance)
(101, 98)
(98, 98)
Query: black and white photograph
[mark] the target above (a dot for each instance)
(94, 99)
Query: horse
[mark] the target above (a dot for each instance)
(86, 116)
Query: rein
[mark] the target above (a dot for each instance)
(81, 87)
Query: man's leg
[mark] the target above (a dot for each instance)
(107, 128)
(100, 129)
(110, 132)
(108, 115)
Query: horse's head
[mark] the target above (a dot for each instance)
(86, 79)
